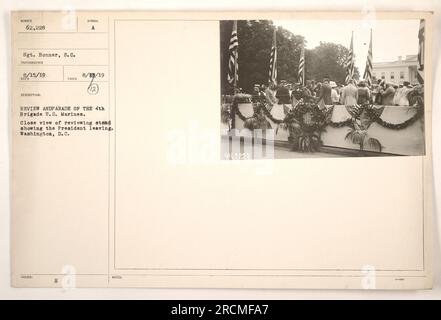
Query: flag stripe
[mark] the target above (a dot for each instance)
(301, 74)
(273, 61)
(350, 61)
(421, 40)
(368, 70)
(233, 75)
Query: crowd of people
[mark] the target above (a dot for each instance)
(353, 93)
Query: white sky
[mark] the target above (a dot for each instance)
(390, 38)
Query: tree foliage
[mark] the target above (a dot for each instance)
(255, 40)
(328, 60)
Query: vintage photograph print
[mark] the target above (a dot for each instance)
(321, 88)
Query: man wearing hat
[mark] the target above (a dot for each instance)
(364, 94)
(257, 95)
(307, 92)
(335, 95)
(416, 96)
(349, 94)
(325, 92)
(270, 95)
(376, 88)
(282, 93)
(407, 88)
(387, 92)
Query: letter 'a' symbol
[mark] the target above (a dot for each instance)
(93, 27)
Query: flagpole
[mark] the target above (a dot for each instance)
(350, 61)
(304, 65)
(353, 56)
(421, 52)
(275, 62)
(372, 57)
(235, 59)
(301, 68)
(367, 76)
(232, 76)
(235, 72)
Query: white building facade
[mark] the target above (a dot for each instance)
(404, 69)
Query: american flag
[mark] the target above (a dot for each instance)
(233, 76)
(273, 61)
(350, 61)
(301, 74)
(368, 70)
(421, 35)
